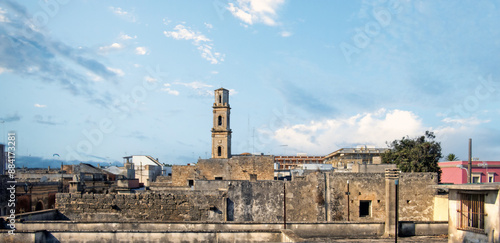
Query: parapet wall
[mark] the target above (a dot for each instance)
(69, 231)
(157, 206)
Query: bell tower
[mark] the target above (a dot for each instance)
(221, 131)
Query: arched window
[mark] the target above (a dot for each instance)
(219, 151)
(219, 121)
(39, 206)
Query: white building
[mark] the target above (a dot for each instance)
(146, 168)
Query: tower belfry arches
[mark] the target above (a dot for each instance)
(221, 130)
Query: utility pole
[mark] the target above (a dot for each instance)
(348, 204)
(469, 171)
(396, 182)
(284, 204)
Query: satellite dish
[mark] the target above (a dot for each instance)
(44, 179)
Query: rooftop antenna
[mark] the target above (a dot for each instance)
(248, 133)
(253, 141)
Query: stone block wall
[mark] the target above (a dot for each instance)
(314, 197)
(182, 173)
(416, 196)
(156, 206)
(362, 187)
(235, 168)
(306, 198)
(260, 201)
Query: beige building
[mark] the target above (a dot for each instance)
(359, 155)
(474, 212)
(294, 162)
(146, 168)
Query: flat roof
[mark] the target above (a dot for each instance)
(472, 187)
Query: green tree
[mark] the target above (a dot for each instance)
(420, 154)
(451, 157)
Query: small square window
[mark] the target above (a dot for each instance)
(491, 178)
(476, 179)
(365, 208)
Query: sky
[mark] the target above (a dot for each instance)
(96, 81)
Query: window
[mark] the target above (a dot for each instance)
(476, 178)
(217, 178)
(219, 122)
(220, 99)
(364, 208)
(219, 151)
(191, 183)
(471, 212)
(253, 177)
(491, 178)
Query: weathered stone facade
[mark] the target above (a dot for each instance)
(314, 197)
(164, 206)
(235, 168)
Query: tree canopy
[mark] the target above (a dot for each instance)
(451, 157)
(420, 154)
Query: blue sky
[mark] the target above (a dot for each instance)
(99, 80)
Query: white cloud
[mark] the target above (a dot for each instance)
(127, 37)
(117, 71)
(125, 14)
(114, 46)
(195, 85)
(213, 57)
(169, 90)
(209, 26)
(150, 79)
(3, 18)
(203, 43)
(141, 50)
(377, 128)
(183, 33)
(40, 106)
(214, 72)
(2, 70)
(471, 121)
(256, 11)
(285, 34)
(94, 77)
(166, 21)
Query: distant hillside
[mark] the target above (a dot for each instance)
(39, 162)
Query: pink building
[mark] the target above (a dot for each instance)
(455, 172)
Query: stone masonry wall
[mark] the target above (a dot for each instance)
(308, 199)
(416, 196)
(182, 173)
(362, 187)
(235, 168)
(157, 206)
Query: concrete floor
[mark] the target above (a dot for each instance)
(421, 239)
